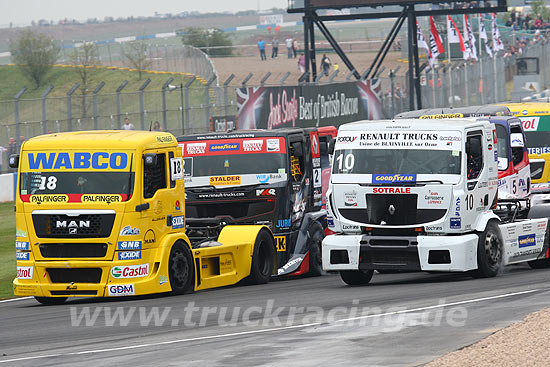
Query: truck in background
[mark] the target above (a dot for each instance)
(102, 214)
(268, 177)
(422, 195)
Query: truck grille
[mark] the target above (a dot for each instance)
(72, 250)
(81, 226)
(75, 275)
(392, 210)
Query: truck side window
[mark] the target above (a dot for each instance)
(154, 177)
(297, 161)
(517, 152)
(474, 155)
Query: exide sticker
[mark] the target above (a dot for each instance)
(178, 222)
(129, 255)
(121, 290)
(22, 255)
(24, 272)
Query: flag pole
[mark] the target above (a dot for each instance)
(451, 95)
(480, 61)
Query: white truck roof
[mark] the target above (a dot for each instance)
(416, 124)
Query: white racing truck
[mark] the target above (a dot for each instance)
(422, 195)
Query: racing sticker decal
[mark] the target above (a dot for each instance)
(129, 245)
(225, 180)
(527, 240)
(195, 148)
(178, 222)
(121, 290)
(49, 198)
(273, 145)
(129, 231)
(21, 245)
(129, 255)
(22, 255)
(456, 223)
(350, 198)
(253, 145)
(131, 271)
(280, 243)
(149, 237)
(224, 147)
(24, 272)
(376, 178)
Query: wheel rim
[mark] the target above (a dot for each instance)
(179, 268)
(263, 255)
(492, 248)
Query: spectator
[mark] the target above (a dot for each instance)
(294, 47)
(336, 67)
(156, 126)
(325, 64)
(302, 63)
(289, 47)
(128, 125)
(261, 47)
(274, 47)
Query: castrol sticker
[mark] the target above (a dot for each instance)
(530, 123)
(24, 272)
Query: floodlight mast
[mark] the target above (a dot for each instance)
(310, 7)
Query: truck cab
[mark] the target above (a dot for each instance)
(269, 177)
(419, 195)
(102, 214)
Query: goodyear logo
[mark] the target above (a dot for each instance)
(442, 116)
(224, 147)
(39, 199)
(393, 178)
(78, 160)
(527, 240)
(101, 198)
(225, 180)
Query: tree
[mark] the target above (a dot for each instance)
(85, 59)
(135, 54)
(34, 54)
(206, 38)
(538, 8)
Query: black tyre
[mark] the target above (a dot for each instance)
(356, 277)
(489, 252)
(181, 269)
(315, 238)
(51, 300)
(263, 258)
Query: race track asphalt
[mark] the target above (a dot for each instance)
(403, 319)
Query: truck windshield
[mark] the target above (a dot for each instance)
(247, 161)
(77, 182)
(396, 161)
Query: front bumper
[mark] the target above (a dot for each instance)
(41, 282)
(425, 253)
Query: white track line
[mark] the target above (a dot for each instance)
(15, 299)
(251, 332)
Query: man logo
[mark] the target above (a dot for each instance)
(72, 224)
(72, 230)
(391, 210)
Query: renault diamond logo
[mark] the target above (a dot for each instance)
(391, 210)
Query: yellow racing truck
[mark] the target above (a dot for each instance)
(535, 118)
(102, 214)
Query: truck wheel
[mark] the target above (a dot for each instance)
(489, 252)
(181, 270)
(51, 300)
(315, 235)
(263, 258)
(356, 277)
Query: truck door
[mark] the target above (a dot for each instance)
(521, 183)
(478, 151)
(300, 193)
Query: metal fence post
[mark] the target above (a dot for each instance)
(207, 100)
(186, 87)
(225, 96)
(284, 78)
(94, 99)
(164, 117)
(118, 90)
(44, 114)
(70, 107)
(16, 112)
(141, 103)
